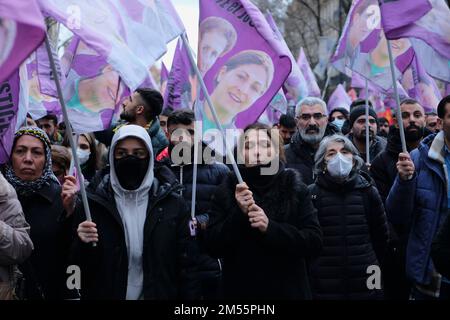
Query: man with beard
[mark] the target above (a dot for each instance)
(140, 108)
(357, 135)
(181, 131)
(383, 127)
(384, 171)
(311, 116)
(419, 198)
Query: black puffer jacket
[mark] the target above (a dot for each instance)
(167, 261)
(355, 236)
(300, 155)
(209, 177)
(272, 264)
(383, 168)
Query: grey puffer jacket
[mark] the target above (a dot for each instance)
(15, 243)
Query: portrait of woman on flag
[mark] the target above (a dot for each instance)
(242, 80)
(216, 38)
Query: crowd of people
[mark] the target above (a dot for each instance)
(313, 228)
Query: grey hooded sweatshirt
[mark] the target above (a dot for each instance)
(132, 207)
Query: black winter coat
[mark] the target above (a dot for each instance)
(383, 168)
(300, 155)
(167, 260)
(50, 231)
(377, 146)
(271, 264)
(355, 236)
(209, 177)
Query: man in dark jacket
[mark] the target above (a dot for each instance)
(140, 225)
(419, 198)
(357, 135)
(312, 123)
(181, 126)
(384, 171)
(140, 108)
(440, 251)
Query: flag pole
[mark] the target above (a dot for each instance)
(327, 81)
(397, 99)
(69, 132)
(211, 107)
(72, 162)
(367, 125)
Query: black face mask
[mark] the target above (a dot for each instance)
(131, 171)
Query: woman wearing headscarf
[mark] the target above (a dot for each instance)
(47, 207)
(266, 228)
(353, 222)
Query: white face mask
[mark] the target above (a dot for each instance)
(83, 155)
(340, 166)
(339, 123)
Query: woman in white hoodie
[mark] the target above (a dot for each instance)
(140, 225)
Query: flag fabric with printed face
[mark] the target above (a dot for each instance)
(109, 28)
(237, 54)
(94, 91)
(181, 84)
(363, 48)
(243, 66)
(39, 103)
(13, 98)
(22, 30)
(296, 86)
(164, 77)
(339, 99)
(426, 24)
(305, 68)
(420, 86)
(44, 71)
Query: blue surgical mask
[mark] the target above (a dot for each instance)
(339, 123)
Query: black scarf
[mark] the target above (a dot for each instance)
(258, 182)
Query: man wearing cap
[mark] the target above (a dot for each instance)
(357, 135)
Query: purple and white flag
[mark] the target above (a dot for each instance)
(311, 82)
(426, 24)
(94, 91)
(164, 77)
(295, 86)
(181, 84)
(363, 49)
(109, 28)
(13, 101)
(9, 103)
(420, 86)
(423, 19)
(22, 30)
(339, 99)
(243, 80)
(39, 103)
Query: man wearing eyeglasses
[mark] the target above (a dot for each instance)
(311, 116)
(357, 133)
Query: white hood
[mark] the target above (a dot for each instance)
(132, 207)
